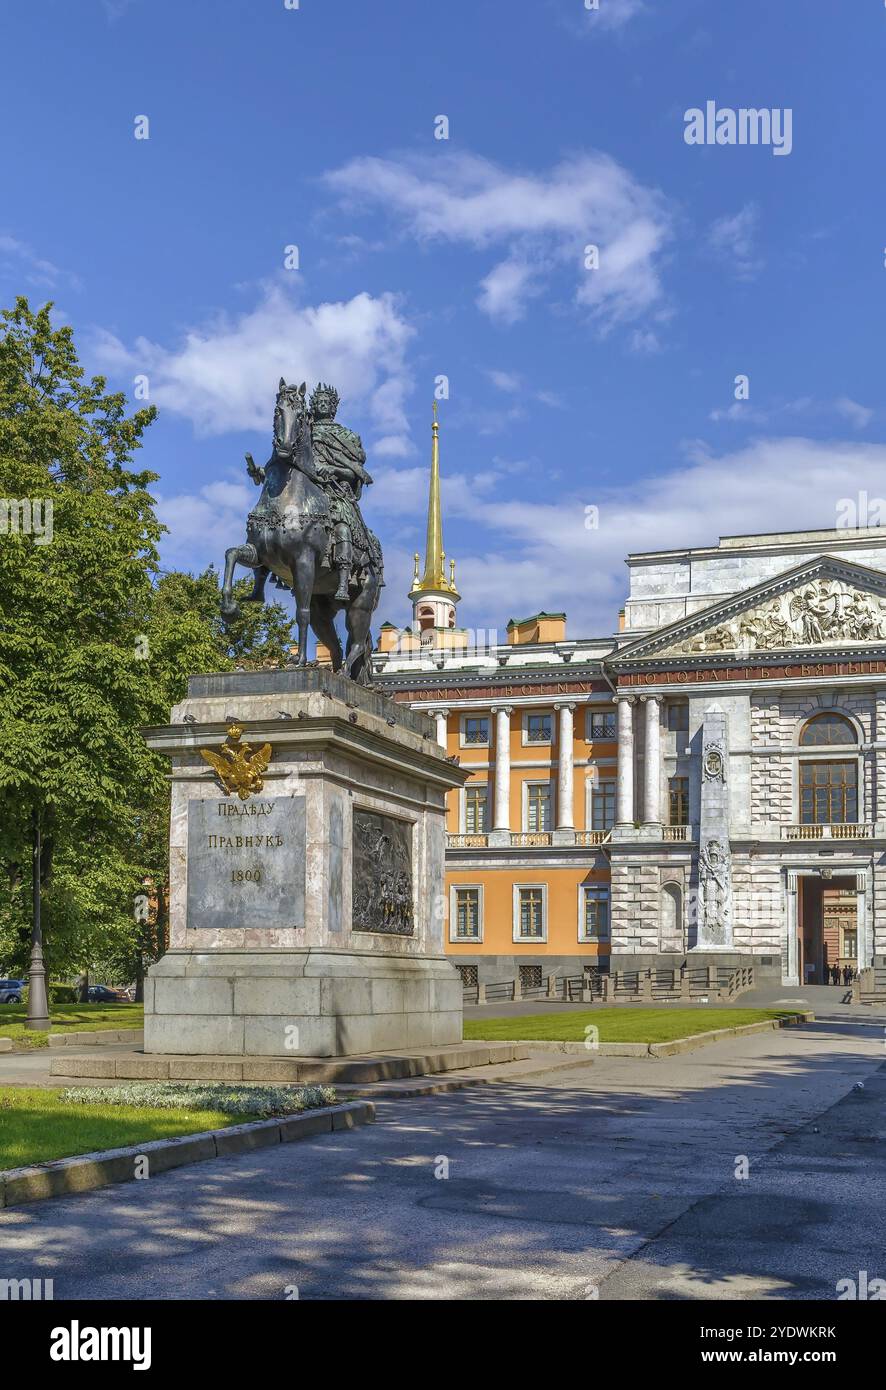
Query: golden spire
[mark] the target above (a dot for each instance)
(434, 577)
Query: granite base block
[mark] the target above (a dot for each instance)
(313, 1003)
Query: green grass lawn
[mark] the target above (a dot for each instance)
(36, 1126)
(68, 1018)
(625, 1024)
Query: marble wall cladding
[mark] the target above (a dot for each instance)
(332, 757)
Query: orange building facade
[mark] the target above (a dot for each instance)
(533, 719)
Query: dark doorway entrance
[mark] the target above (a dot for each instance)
(826, 927)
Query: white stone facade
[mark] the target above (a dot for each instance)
(756, 636)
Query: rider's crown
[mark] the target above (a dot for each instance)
(324, 402)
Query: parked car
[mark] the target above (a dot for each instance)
(11, 991)
(103, 994)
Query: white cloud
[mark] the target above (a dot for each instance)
(203, 524)
(505, 381)
(612, 15)
(504, 292)
(732, 240)
(858, 415)
(222, 375)
(643, 340)
(532, 555)
(19, 261)
(543, 221)
(742, 412)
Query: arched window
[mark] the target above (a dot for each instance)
(671, 918)
(828, 730)
(828, 787)
(425, 618)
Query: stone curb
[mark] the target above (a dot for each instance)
(676, 1045)
(432, 1086)
(357, 1070)
(768, 1025)
(87, 1038)
(85, 1172)
(99, 1035)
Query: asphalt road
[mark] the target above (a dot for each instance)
(614, 1180)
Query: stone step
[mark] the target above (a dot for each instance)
(537, 1064)
(374, 1067)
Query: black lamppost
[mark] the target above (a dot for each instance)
(38, 1007)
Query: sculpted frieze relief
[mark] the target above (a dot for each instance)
(819, 613)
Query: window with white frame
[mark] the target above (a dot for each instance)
(593, 922)
(537, 806)
(476, 808)
(466, 909)
(602, 724)
(538, 728)
(530, 912)
(475, 730)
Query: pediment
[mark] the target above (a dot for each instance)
(825, 602)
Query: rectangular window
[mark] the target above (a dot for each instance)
(850, 945)
(530, 914)
(595, 915)
(603, 806)
(476, 804)
(467, 914)
(678, 716)
(476, 729)
(603, 724)
(538, 728)
(538, 807)
(828, 793)
(678, 800)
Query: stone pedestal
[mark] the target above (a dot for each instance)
(307, 917)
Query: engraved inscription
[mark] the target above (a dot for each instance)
(246, 863)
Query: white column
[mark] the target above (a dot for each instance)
(652, 764)
(502, 820)
(791, 975)
(441, 716)
(565, 770)
(865, 950)
(624, 810)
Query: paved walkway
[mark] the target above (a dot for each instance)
(615, 1180)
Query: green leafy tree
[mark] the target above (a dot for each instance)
(95, 643)
(77, 555)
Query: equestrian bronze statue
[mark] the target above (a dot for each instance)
(307, 529)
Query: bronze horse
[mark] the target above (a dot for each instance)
(288, 535)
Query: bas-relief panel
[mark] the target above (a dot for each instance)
(816, 614)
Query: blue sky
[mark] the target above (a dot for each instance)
(569, 387)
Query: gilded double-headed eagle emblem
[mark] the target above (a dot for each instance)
(237, 766)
